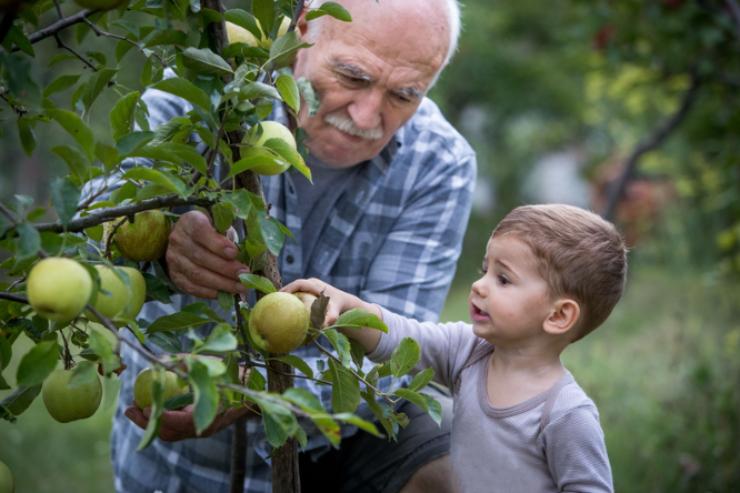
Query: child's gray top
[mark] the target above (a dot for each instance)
(552, 442)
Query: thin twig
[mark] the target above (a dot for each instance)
(63, 45)
(654, 140)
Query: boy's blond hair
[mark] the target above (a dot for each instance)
(579, 254)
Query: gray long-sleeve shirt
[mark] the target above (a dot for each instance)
(552, 442)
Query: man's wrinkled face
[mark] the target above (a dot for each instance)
(370, 76)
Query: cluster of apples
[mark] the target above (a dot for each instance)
(60, 289)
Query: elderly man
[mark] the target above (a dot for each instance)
(384, 220)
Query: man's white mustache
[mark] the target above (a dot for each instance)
(347, 125)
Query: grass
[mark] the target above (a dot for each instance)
(646, 369)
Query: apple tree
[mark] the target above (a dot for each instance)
(76, 271)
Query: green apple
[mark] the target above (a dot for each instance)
(271, 130)
(7, 484)
(58, 288)
(146, 238)
(100, 4)
(113, 295)
(137, 291)
(67, 401)
(278, 322)
(144, 387)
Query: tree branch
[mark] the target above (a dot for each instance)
(654, 140)
(53, 29)
(103, 215)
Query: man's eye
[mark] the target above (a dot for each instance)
(352, 80)
(503, 280)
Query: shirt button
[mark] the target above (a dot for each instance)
(290, 259)
(291, 190)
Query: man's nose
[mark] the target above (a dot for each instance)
(365, 110)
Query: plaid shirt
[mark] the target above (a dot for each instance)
(392, 238)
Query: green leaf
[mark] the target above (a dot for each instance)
(37, 363)
(434, 408)
(20, 399)
(178, 322)
(206, 61)
(413, 397)
(360, 318)
(279, 421)
(405, 357)
(60, 84)
(255, 90)
(95, 85)
(122, 114)
(134, 140)
(74, 125)
(284, 49)
(104, 348)
(223, 216)
(287, 152)
(341, 345)
(27, 135)
(64, 197)
(220, 340)
(251, 157)
(297, 363)
(264, 10)
(288, 90)
(206, 396)
(77, 163)
(260, 283)
(330, 8)
(161, 178)
(357, 421)
(345, 395)
(421, 379)
(29, 241)
(172, 152)
(309, 95)
(271, 232)
(186, 90)
(327, 426)
(304, 399)
(244, 19)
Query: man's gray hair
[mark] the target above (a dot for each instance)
(453, 19)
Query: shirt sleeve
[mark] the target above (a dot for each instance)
(414, 266)
(576, 452)
(444, 347)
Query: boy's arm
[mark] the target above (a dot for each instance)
(340, 302)
(576, 452)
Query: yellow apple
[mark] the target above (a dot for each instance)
(7, 483)
(278, 322)
(271, 130)
(145, 239)
(237, 34)
(137, 292)
(113, 295)
(58, 288)
(69, 402)
(144, 387)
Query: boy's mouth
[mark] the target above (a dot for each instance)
(478, 315)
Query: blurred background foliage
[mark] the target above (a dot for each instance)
(556, 98)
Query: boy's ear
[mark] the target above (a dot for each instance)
(563, 316)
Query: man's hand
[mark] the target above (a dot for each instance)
(179, 425)
(201, 261)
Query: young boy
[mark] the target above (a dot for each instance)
(551, 275)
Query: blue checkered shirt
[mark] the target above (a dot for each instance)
(393, 238)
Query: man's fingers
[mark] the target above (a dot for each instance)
(137, 416)
(194, 278)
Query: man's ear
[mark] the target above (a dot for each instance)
(563, 316)
(301, 26)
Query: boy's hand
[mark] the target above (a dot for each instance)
(340, 302)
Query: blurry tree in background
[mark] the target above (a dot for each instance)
(646, 91)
